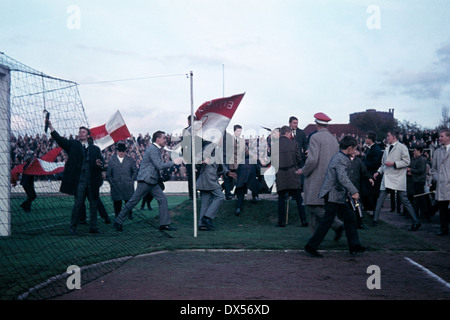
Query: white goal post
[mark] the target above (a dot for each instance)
(5, 148)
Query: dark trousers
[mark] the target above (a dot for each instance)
(146, 201)
(31, 195)
(240, 195)
(228, 185)
(84, 191)
(420, 204)
(190, 181)
(118, 206)
(344, 213)
(100, 207)
(282, 196)
(444, 215)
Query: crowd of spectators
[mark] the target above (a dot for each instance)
(36, 146)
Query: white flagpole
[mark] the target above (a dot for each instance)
(194, 182)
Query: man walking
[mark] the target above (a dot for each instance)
(335, 189)
(393, 168)
(148, 178)
(322, 147)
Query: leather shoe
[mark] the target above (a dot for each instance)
(117, 226)
(363, 227)
(166, 228)
(73, 232)
(95, 231)
(313, 252)
(237, 212)
(304, 224)
(207, 222)
(358, 248)
(338, 234)
(280, 225)
(415, 226)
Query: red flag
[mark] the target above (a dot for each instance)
(112, 131)
(214, 116)
(40, 167)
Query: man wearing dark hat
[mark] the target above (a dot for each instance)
(322, 147)
(121, 174)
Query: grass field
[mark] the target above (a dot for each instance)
(41, 247)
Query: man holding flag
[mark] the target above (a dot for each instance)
(82, 174)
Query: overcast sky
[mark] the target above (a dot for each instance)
(290, 57)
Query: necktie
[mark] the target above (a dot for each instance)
(390, 148)
(293, 133)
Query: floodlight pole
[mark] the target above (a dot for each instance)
(194, 182)
(5, 155)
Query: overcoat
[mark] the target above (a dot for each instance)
(395, 177)
(288, 161)
(73, 166)
(440, 169)
(121, 177)
(322, 147)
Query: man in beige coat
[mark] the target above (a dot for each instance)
(394, 165)
(322, 147)
(440, 170)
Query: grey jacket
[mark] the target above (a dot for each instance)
(337, 183)
(151, 165)
(208, 176)
(121, 177)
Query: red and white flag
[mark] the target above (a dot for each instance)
(112, 131)
(40, 167)
(214, 116)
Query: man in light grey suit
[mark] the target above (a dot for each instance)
(394, 165)
(335, 189)
(147, 178)
(210, 189)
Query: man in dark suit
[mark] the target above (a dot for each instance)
(335, 189)
(82, 174)
(372, 160)
(299, 136)
(287, 162)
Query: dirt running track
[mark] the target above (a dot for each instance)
(279, 275)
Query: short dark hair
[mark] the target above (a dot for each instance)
(347, 141)
(292, 119)
(237, 126)
(372, 136)
(395, 133)
(157, 135)
(88, 131)
(419, 148)
(284, 130)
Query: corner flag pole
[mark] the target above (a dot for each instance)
(194, 182)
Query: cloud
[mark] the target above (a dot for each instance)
(428, 83)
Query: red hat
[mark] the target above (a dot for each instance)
(322, 118)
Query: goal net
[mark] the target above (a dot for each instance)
(39, 258)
